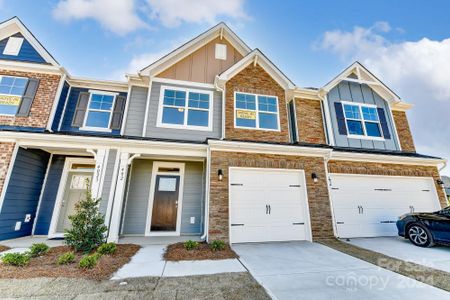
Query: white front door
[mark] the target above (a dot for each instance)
(267, 205)
(369, 206)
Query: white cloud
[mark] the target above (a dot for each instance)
(118, 16)
(172, 13)
(419, 71)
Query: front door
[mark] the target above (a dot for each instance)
(165, 203)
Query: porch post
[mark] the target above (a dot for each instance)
(97, 178)
(114, 224)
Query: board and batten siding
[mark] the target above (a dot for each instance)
(23, 193)
(137, 200)
(360, 93)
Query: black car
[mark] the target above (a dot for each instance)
(426, 229)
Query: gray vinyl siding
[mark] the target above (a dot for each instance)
(182, 134)
(136, 206)
(360, 93)
(134, 122)
(108, 180)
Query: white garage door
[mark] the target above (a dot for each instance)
(369, 206)
(267, 205)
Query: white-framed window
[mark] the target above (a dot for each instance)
(185, 108)
(12, 90)
(99, 111)
(253, 111)
(362, 121)
(13, 46)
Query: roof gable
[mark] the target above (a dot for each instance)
(31, 49)
(220, 30)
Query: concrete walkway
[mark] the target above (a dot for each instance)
(303, 270)
(148, 261)
(437, 257)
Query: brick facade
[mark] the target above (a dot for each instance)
(310, 121)
(365, 168)
(42, 104)
(254, 79)
(403, 131)
(6, 151)
(319, 205)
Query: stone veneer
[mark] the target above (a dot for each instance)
(310, 121)
(6, 151)
(319, 204)
(403, 131)
(254, 79)
(365, 168)
(43, 100)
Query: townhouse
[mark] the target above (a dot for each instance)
(211, 141)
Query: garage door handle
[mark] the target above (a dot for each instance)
(236, 184)
(270, 209)
(300, 223)
(387, 222)
(294, 185)
(340, 223)
(237, 224)
(383, 190)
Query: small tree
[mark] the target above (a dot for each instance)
(88, 224)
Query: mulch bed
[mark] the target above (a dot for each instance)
(434, 277)
(3, 248)
(46, 266)
(177, 252)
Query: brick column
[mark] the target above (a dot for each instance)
(6, 152)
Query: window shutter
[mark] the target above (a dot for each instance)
(119, 108)
(80, 110)
(340, 118)
(383, 123)
(28, 97)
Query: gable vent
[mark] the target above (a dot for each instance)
(13, 46)
(221, 51)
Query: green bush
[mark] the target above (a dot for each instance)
(89, 261)
(217, 245)
(16, 259)
(66, 258)
(38, 249)
(107, 249)
(190, 245)
(88, 225)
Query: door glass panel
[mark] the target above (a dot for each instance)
(83, 167)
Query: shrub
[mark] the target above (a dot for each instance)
(89, 261)
(38, 249)
(190, 245)
(66, 258)
(88, 225)
(107, 249)
(16, 259)
(217, 245)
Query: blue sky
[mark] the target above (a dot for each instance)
(405, 43)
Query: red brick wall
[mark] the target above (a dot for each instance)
(310, 121)
(6, 151)
(257, 81)
(319, 204)
(364, 168)
(42, 104)
(403, 131)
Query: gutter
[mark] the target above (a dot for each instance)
(222, 90)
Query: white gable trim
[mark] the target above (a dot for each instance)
(13, 26)
(256, 57)
(220, 30)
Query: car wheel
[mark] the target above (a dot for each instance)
(420, 235)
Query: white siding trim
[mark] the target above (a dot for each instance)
(8, 174)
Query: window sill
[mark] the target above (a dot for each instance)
(184, 127)
(363, 137)
(98, 129)
(260, 129)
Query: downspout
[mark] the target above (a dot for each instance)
(328, 182)
(208, 180)
(55, 102)
(222, 90)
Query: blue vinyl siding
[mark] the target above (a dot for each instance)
(60, 106)
(49, 195)
(23, 192)
(66, 125)
(26, 54)
(359, 93)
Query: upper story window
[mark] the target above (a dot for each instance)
(185, 109)
(13, 46)
(256, 111)
(362, 120)
(11, 91)
(99, 111)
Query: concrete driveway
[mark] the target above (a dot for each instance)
(437, 257)
(303, 270)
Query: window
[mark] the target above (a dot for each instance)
(11, 91)
(185, 109)
(256, 111)
(13, 46)
(99, 111)
(362, 120)
(221, 51)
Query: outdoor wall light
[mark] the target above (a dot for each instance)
(314, 177)
(440, 182)
(220, 174)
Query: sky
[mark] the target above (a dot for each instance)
(405, 43)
